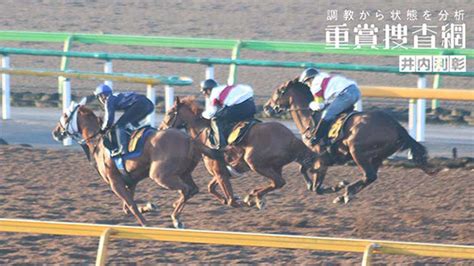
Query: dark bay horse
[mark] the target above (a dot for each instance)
(168, 157)
(368, 139)
(265, 149)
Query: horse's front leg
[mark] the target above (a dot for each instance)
(221, 177)
(119, 188)
(319, 173)
(306, 178)
(131, 189)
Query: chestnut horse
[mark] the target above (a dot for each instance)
(168, 157)
(368, 139)
(265, 149)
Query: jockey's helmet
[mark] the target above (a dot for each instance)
(207, 85)
(307, 74)
(102, 89)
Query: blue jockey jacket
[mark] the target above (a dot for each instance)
(118, 102)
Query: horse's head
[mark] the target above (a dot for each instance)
(284, 95)
(181, 114)
(74, 120)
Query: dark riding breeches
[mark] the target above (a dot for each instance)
(231, 114)
(136, 113)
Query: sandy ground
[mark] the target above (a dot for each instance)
(59, 185)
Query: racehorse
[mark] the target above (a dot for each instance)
(368, 138)
(265, 149)
(168, 157)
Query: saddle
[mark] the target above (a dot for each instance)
(236, 132)
(136, 143)
(335, 132)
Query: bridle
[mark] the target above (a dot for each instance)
(172, 122)
(72, 130)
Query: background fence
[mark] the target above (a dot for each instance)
(417, 108)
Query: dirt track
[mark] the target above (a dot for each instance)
(60, 185)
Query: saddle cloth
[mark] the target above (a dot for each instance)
(240, 130)
(135, 143)
(235, 132)
(336, 130)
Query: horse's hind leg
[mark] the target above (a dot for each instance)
(277, 181)
(188, 179)
(369, 168)
(172, 182)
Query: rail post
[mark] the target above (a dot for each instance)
(103, 245)
(108, 68)
(151, 95)
(64, 62)
(210, 72)
(169, 97)
(66, 102)
(233, 67)
(6, 89)
(209, 75)
(421, 111)
(358, 106)
(367, 258)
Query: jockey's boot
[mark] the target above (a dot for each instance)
(221, 142)
(322, 131)
(219, 135)
(121, 136)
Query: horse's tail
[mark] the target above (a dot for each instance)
(419, 152)
(203, 149)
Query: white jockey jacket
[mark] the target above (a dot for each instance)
(222, 96)
(328, 86)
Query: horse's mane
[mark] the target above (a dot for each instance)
(194, 105)
(300, 88)
(88, 112)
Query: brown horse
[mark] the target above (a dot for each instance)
(168, 157)
(265, 149)
(368, 139)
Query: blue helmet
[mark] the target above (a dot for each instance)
(208, 84)
(308, 74)
(102, 89)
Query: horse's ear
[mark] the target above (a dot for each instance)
(296, 79)
(83, 101)
(72, 105)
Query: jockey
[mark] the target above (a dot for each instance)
(226, 105)
(135, 106)
(333, 94)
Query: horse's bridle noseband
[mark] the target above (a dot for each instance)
(173, 121)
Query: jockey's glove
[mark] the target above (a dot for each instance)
(315, 106)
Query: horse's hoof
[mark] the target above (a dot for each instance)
(249, 200)
(343, 183)
(260, 203)
(346, 199)
(178, 224)
(339, 199)
(309, 187)
(150, 207)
